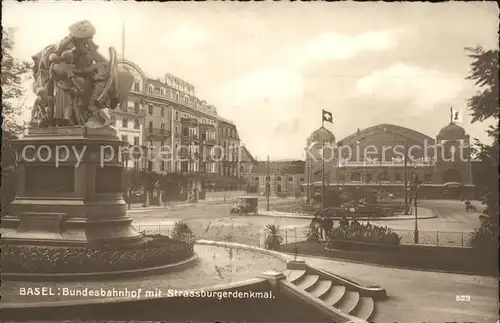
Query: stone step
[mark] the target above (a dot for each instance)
(308, 282)
(365, 308)
(348, 302)
(295, 275)
(321, 288)
(334, 295)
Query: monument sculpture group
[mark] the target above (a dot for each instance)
(65, 193)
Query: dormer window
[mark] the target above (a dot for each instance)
(162, 91)
(137, 86)
(151, 89)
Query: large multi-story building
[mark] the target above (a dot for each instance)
(180, 132)
(375, 158)
(283, 177)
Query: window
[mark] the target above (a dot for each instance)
(137, 108)
(162, 91)
(162, 127)
(137, 86)
(162, 166)
(150, 166)
(278, 178)
(355, 177)
(136, 141)
(177, 96)
(151, 89)
(150, 109)
(124, 138)
(186, 99)
(369, 178)
(150, 128)
(428, 178)
(278, 188)
(398, 178)
(124, 123)
(290, 179)
(137, 124)
(162, 111)
(302, 179)
(176, 115)
(185, 132)
(242, 169)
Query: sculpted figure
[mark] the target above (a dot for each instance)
(81, 81)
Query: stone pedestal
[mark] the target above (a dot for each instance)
(69, 189)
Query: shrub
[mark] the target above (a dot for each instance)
(154, 251)
(312, 233)
(484, 240)
(366, 233)
(181, 231)
(273, 239)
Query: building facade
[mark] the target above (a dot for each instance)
(375, 158)
(179, 131)
(285, 178)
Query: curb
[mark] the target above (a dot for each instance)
(191, 261)
(392, 218)
(281, 255)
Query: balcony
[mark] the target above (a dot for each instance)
(191, 121)
(157, 134)
(188, 140)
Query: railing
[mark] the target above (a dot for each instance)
(243, 233)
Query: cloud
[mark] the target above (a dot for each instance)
(425, 87)
(186, 36)
(331, 46)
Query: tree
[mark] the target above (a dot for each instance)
(14, 72)
(484, 106)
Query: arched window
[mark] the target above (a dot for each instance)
(452, 175)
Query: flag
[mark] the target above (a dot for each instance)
(327, 116)
(456, 115)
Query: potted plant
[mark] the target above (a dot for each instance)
(273, 239)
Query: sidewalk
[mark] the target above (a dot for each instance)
(138, 207)
(423, 213)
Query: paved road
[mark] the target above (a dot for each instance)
(419, 296)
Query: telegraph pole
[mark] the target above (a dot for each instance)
(322, 175)
(268, 185)
(380, 177)
(406, 179)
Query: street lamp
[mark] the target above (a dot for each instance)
(416, 186)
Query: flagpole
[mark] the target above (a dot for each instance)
(451, 114)
(123, 40)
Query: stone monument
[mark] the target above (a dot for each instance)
(69, 164)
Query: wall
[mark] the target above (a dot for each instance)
(230, 195)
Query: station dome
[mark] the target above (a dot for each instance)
(452, 131)
(322, 135)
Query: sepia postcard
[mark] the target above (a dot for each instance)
(249, 162)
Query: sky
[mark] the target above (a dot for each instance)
(271, 67)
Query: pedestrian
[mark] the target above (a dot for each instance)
(322, 227)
